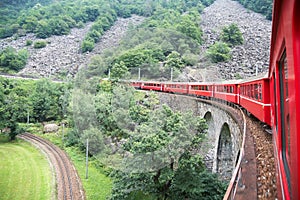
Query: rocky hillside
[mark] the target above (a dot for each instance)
(254, 53)
(62, 54)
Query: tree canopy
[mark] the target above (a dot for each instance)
(232, 35)
(260, 6)
(12, 60)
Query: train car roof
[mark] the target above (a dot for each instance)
(255, 78)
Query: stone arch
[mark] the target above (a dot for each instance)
(208, 116)
(225, 161)
(211, 135)
(210, 122)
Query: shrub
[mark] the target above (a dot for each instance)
(10, 59)
(232, 35)
(87, 45)
(219, 52)
(39, 44)
(28, 42)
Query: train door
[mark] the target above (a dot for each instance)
(285, 116)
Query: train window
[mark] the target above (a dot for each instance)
(260, 92)
(284, 114)
(256, 91)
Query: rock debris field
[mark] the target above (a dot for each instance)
(62, 54)
(256, 30)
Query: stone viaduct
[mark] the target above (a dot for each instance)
(225, 133)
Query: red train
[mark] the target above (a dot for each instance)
(252, 95)
(273, 99)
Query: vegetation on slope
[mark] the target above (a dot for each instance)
(12, 60)
(260, 6)
(230, 37)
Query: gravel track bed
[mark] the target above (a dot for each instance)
(68, 183)
(264, 150)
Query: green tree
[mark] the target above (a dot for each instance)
(263, 6)
(87, 45)
(43, 29)
(97, 66)
(45, 99)
(59, 26)
(162, 155)
(190, 28)
(219, 52)
(174, 60)
(95, 139)
(232, 35)
(10, 59)
(94, 35)
(119, 71)
(14, 105)
(39, 44)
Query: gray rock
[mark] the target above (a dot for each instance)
(50, 128)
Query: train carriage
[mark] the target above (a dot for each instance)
(227, 91)
(178, 88)
(157, 86)
(255, 98)
(201, 89)
(284, 73)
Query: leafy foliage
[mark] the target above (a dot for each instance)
(39, 44)
(262, 6)
(232, 35)
(10, 59)
(162, 170)
(219, 52)
(47, 101)
(41, 100)
(87, 45)
(119, 71)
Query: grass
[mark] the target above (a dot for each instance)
(24, 172)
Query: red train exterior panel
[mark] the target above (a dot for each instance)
(179, 88)
(227, 92)
(285, 95)
(255, 98)
(201, 89)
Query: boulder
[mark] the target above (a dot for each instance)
(50, 128)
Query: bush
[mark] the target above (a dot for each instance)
(219, 52)
(39, 44)
(10, 59)
(6, 32)
(28, 42)
(232, 35)
(87, 45)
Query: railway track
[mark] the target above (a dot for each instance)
(68, 183)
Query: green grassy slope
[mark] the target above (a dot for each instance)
(24, 172)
